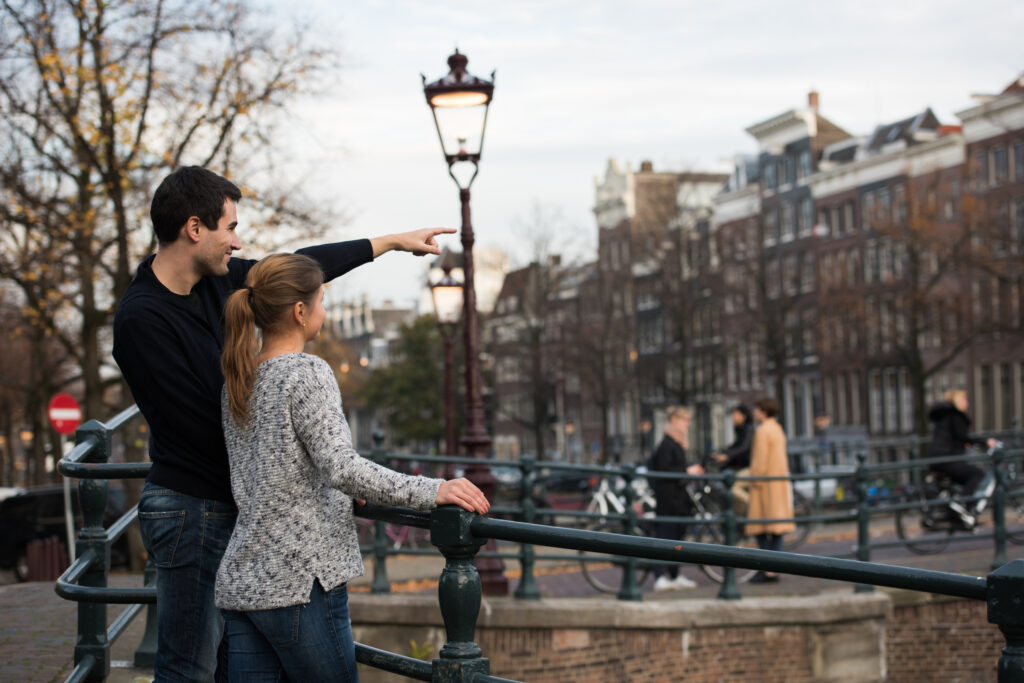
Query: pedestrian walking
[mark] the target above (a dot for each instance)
(671, 498)
(769, 500)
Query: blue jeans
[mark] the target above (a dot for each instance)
(311, 642)
(186, 537)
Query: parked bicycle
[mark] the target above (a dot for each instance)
(707, 499)
(938, 511)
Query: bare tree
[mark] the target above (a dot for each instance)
(98, 101)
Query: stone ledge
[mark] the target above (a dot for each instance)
(599, 613)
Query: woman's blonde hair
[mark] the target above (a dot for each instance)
(678, 411)
(952, 395)
(273, 286)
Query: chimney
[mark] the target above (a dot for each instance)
(646, 167)
(812, 100)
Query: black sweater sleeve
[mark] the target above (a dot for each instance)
(738, 452)
(337, 258)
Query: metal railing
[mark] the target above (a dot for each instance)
(458, 535)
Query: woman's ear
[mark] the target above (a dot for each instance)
(299, 312)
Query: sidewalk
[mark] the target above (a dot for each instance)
(37, 631)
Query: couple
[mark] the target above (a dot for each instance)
(211, 348)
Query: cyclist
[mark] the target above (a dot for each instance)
(670, 494)
(950, 437)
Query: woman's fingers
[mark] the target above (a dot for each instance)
(463, 493)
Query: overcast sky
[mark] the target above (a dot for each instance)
(580, 82)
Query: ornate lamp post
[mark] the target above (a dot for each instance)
(459, 103)
(446, 294)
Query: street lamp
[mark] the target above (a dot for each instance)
(459, 103)
(446, 294)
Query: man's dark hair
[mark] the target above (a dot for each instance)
(189, 191)
(768, 406)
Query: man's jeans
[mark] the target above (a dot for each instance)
(311, 642)
(186, 537)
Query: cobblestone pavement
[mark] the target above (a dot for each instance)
(37, 628)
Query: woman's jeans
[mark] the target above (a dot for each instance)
(186, 538)
(311, 642)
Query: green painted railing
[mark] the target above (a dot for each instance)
(459, 536)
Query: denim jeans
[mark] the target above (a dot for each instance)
(186, 537)
(311, 642)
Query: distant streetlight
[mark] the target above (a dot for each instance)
(446, 294)
(459, 103)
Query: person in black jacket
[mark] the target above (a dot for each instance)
(670, 494)
(950, 437)
(168, 336)
(736, 456)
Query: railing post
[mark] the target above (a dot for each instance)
(527, 588)
(730, 589)
(1005, 599)
(863, 519)
(817, 484)
(145, 653)
(630, 589)
(999, 509)
(380, 538)
(459, 594)
(92, 497)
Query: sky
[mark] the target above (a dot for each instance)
(578, 83)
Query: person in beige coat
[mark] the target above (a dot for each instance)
(769, 499)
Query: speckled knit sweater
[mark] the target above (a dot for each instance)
(294, 473)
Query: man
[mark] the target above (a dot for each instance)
(670, 495)
(168, 335)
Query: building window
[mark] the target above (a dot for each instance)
(892, 402)
(875, 399)
(805, 163)
(771, 226)
(907, 403)
(787, 221)
(868, 210)
(981, 168)
(1005, 396)
(806, 216)
(790, 169)
(1018, 161)
(769, 174)
(850, 216)
(807, 273)
(999, 165)
(985, 398)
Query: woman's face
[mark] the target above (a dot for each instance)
(681, 421)
(738, 418)
(960, 401)
(317, 314)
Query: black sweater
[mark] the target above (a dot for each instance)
(168, 347)
(951, 432)
(738, 452)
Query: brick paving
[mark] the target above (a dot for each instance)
(37, 628)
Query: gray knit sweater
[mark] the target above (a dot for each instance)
(294, 473)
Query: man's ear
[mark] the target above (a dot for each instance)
(192, 229)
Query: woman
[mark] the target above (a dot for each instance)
(282, 582)
(769, 499)
(736, 456)
(670, 494)
(950, 436)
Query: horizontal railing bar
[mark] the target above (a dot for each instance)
(82, 670)
(122, 622)
(394, 663)
(81, 564)
(104, 470)
(487, 678)
(720, 555)
(394, 515)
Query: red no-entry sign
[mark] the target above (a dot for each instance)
(65, 414)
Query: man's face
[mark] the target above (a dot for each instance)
(216, 246)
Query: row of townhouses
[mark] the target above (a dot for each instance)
(854, 277)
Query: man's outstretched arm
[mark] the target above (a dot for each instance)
(418, 242)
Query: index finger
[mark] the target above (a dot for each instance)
(441, 231)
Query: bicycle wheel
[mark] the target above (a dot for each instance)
(712, 533)
(801, 509)
(924, 528)
(604, 572)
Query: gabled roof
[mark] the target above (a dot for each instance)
(1016, 86)
(908, 130)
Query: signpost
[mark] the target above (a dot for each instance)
(65, 416)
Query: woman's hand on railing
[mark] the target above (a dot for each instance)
(465, 494)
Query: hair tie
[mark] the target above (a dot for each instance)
(250, 292)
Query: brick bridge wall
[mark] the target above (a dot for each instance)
(835, 636)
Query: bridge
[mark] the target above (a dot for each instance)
(458, 536)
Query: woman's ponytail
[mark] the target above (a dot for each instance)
(273, 286)
(241, 346)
